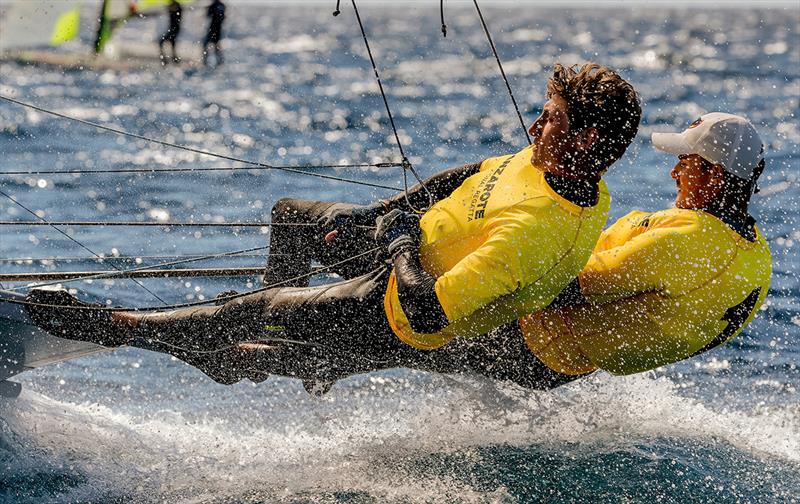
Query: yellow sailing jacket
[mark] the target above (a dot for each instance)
(662, 287)
(501, 245)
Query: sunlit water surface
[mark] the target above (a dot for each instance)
(297, 89)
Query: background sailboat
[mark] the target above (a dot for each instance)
(47, 32)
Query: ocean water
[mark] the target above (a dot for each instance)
(297, 89)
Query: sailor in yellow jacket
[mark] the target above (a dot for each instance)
(502, 238)
(665, 286)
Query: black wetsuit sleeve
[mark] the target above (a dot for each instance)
(440, 185)
(415, 288)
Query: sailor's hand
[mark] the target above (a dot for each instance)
(397, 231)
(339, 220)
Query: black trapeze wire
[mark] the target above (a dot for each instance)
(151, 171)
(8, 196)
(502, 72)
(118, 258)
(406, 164)
(177, 146)
(203, 302)
(195, 150)
(165, 224)
(123, 273)
(441, 14)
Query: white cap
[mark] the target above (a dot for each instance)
(720, 138)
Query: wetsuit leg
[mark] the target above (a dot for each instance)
(321, 333)
(342, 327)
(296, 240)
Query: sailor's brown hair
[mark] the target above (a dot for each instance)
(597, 97)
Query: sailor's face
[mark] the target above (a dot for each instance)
(550, 134)
(697, 182)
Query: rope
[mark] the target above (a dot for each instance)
(190, 170)
(192, 149)
(156, 224)
(441, 13)
(121, 258)
(77, 243)
(502, 72)
(198, 303)
(406, 164)
(123, 273)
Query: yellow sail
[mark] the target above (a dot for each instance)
(66, 27)
(26, 24)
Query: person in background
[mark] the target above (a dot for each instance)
(175, 12)
(216, 15)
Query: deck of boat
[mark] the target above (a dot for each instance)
(130, 60)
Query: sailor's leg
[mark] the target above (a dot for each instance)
(218, 51)
(331, 331)
(161, 55)
(318, 333)
(202, 328)
(502, 355)
(205, 52)
(296, 240)
(293, 237)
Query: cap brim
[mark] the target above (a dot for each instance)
(674, 143)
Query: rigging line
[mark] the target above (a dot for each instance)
(190, 149)
(378, 79)
(154, 224)
(120, 258)
(169, 273)
(502, 72)
(199, 303)
(122, 273)
(190, 170)
(407, 166)
(77, 242)
(441, 13)
(164, 224)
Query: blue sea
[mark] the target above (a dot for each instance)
(297, 88)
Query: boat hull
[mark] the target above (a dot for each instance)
(24, 346)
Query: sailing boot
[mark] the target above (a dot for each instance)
(63, 315)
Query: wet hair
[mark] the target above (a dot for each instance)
(597, 97)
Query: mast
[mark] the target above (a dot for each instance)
(103, 28)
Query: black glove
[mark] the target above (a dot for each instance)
(398, 232)
(343, 218)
